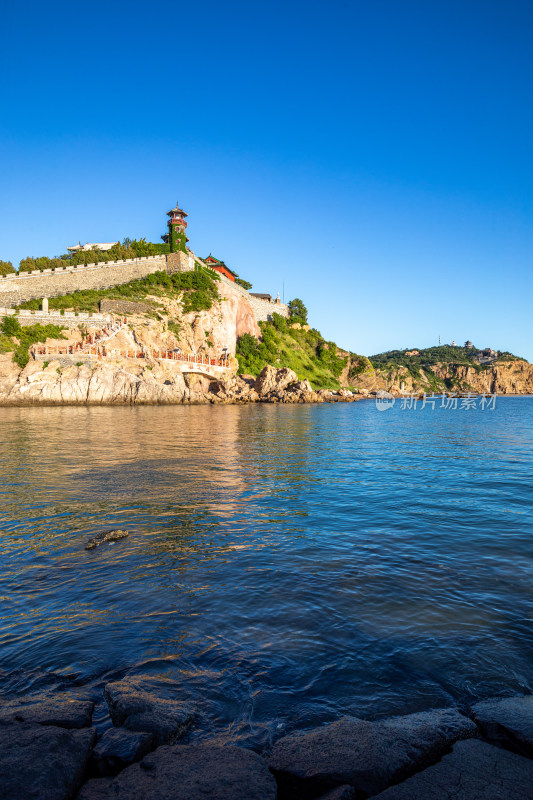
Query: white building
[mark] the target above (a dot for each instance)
(91, 246)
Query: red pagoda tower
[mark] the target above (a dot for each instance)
(177, 225)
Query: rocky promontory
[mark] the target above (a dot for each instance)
(150, 382)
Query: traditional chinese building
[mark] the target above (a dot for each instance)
(219, 266)
(177, 225)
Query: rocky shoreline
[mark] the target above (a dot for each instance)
(151, 384)
(50, 751)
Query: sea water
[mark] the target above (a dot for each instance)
(286, 565)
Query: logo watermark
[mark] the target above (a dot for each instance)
(448, 402)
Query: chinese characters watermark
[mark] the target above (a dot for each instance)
(452, 401)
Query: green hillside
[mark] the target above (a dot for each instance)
(304, 351)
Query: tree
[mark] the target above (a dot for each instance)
(6, 267)
(297, 311)
(27, 264)
(245, 284)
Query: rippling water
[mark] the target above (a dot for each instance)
(286, 564)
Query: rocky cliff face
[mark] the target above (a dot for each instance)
(512, 377)
(204, 331)
(126, 382)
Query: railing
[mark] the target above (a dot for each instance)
(100, 351)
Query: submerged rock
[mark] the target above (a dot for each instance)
(40, 762)
(137, 709)
(366, 755)
(340, 793)
(118, 747)
(106, 536)
(474, 770)
(63, 709)
(508, 720)
(189, 772)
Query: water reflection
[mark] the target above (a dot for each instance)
(286, 564)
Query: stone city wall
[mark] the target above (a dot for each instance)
(16, 289)
(263, 309)
(67, 319)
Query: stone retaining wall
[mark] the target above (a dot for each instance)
(69, 319)
(67, 360)
(123, 306)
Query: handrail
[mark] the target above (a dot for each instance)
(100, 351)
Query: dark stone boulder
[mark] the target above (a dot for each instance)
(508, 720)
(39, 762)
(189, 772)
(64, 709)
(106, 536)
(138, 709)
(118, 748)
(366, 755)
(474, 770)
(340, 793)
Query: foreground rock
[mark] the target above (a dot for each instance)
(369, 756)
(118, 748)
(508, 720)
(66, 710)
(474, 770)
(42, 762)
(340, 793)
(137, 709)
(189, 772)
(106, 536)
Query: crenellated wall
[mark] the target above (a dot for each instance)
(16, 289)
(23, 286)
(67, 319)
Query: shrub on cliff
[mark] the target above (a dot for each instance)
(27, 335)
(305, 352)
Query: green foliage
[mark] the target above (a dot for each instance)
(279, 322)
(174, 327)
(177, 240)
(305, 352)
(6, 268)
(445, 354)
(10, 326)
(130, 248)
(358, 365)
(297, 311)
(245, 284)
(198, 290)
(27, 336)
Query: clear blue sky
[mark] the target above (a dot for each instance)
(375, 157)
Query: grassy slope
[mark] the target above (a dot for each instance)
(198, 291)
(305, 352)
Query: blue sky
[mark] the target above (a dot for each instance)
(373, 158)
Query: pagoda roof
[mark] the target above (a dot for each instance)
(218, 263)
(173, 211)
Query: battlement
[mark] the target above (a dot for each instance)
(19, 287)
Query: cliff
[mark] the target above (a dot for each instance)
(128, 382)
(505, 377)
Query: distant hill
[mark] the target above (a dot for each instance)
(444, 354)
